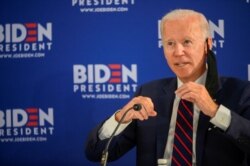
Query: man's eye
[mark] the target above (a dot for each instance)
(170, 43)
(187, 42)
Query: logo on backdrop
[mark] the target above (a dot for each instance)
(216, 30)
(28, 40)
(102, 6)
(101, 81)
(26, 125)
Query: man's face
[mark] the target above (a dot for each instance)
(184, 48)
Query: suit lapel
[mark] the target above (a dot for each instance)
(203, 126)
(164, 107)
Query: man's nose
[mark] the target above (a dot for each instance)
(179, 49)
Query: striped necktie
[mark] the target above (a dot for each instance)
(183, 138)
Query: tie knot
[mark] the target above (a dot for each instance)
(186, 102)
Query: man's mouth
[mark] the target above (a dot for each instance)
(182, 64)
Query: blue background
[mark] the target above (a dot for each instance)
(98, 38)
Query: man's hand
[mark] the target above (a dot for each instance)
(198, 94)
(146, 111)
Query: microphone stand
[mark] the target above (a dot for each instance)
(136, 107)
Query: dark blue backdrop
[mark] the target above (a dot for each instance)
(47, 106)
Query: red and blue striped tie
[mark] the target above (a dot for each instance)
(183, 138)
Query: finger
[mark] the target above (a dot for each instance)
(188, 88)
(150, 112)
(189, 96)
(143, 112)
(138, 115)
(182, 90)
(150, 103)
(149, 108)
(181, 93)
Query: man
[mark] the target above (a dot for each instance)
(220, 107)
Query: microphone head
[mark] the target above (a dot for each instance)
(137, 107)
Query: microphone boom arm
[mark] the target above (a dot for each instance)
(136, 107)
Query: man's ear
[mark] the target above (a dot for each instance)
(208, 45)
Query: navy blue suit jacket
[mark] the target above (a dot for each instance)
(213, 146)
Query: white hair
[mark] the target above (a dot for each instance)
(178, 14)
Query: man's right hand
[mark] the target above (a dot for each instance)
(146, 111)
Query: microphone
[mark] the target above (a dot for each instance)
(136, 107)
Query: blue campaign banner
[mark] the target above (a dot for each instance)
(67, 65)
